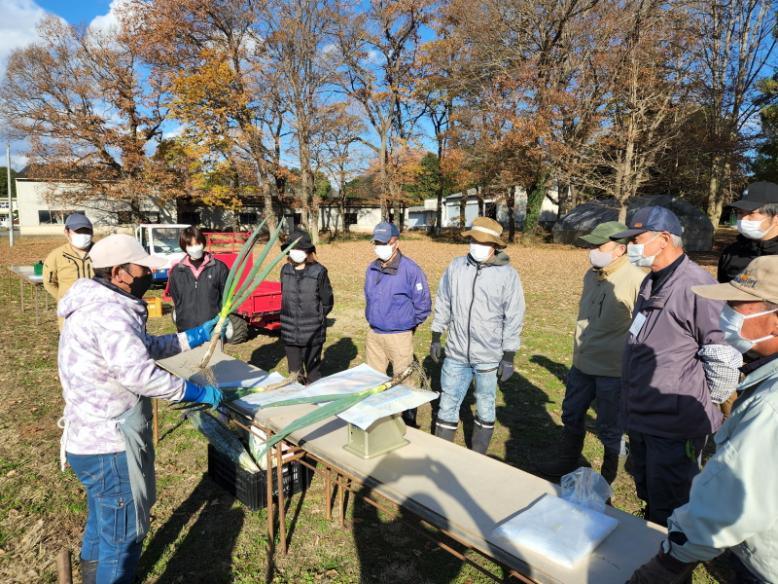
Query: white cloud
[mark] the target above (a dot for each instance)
(108, 23)
(17, 27)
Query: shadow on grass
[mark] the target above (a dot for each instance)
(338, 356)
(204, 553)
(268, 356)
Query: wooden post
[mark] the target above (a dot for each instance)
(155, 420)
(64, 568)
(281, 498)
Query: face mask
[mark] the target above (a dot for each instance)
(298, 256)
(140, 285)
(731, 323)
(480, 252)
(600, 259)
(751, 229)
(635, 254)
(384, 252)
(194, 251)
(80, 240)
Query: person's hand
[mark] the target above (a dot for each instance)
(202, 394)
(662, 568)
(435, 348)
(505, 368)
(201, 334)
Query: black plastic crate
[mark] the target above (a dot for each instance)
(250, 488)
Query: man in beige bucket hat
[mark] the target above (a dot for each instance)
(480, 303)
(733, 503)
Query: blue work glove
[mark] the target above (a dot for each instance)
(202, 394)
(201, 334)
(435, 348)
(505, 368)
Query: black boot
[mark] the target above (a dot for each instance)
(445, 430)
(482, 435)
(567, 459)
(88, 571)
(610, 465)
(409, 417)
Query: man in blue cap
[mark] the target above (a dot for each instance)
(676, 367)
(69, 262)
(397, 300)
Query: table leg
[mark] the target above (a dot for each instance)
(21, 294)
(341, 498)
(281, 497)
(328, 493)
(36, 300)
(269, 492)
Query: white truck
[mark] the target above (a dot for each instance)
(161, 239)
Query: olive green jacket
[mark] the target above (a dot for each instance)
(63, 266)
(604, 317)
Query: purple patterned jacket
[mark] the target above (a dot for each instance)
(106, 362)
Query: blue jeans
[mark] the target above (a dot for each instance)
(605, 392)
(455, 379)
(110, 536)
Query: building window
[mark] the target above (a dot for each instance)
(124, 217)
(53, 217)
(350, 219)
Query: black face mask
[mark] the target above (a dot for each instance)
(140, 285)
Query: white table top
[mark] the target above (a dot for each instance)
(453, 488)
(28, 273)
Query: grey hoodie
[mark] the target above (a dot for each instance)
(482, 307)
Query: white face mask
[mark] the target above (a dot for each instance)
(80, 240)
(731, 324)
(752, 229)
(194, 251)
(635, 254)
(384, 252)
(480, 252)
(298, 256)
(600, 259)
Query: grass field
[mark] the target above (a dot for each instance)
(199, 534)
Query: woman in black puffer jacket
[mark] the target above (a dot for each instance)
(306, 301)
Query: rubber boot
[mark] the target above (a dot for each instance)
(567, 459)
(409, 417)
(88, 571)
(445, 430)
(610, 465)
(482, 435)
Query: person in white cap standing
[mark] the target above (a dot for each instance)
(733, 503)
(108, 373)
(480, 303)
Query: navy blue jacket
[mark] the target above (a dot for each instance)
(397, 295)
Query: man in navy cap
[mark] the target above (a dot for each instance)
(69, 262)
(397, 300)
(676, 367)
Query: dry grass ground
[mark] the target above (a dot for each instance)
(199, 534)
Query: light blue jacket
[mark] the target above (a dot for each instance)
(734, 500)
(482, 307)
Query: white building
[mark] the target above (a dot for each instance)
(43, 206)
(359, 218)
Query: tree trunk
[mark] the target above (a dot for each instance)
(462, 206)
(510, 203)
(535, 196)
(622, 211)
(715, 205)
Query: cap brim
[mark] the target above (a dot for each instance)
(726, 292)
(481, 237)
(591, 240)
(747, 205)
(151, 261)
(628, 234)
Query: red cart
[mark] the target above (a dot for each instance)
(261, 310)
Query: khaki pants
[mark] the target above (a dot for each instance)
(394, 348)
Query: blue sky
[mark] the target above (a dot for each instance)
(76, 11)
